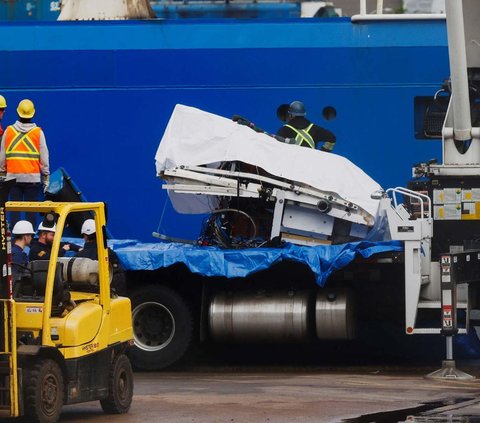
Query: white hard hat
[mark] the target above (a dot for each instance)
(46, 229)
(23, 227)
(88, 227)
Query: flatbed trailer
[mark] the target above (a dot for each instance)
(183, 295)
(352, 302)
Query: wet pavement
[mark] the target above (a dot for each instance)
(351, 394)
(450, 410)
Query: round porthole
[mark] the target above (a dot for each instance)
(329, 113)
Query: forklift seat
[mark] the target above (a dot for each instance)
(39, 269)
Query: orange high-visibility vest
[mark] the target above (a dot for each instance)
(22, 150)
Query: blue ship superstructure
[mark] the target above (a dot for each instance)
(29, 10)
(104, 92)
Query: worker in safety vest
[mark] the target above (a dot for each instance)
(3, 106)
(24, 156)
(300, 131)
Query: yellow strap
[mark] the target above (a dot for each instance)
(303, 135)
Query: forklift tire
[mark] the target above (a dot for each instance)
(44, 392)
(162, 327)
(120, 387)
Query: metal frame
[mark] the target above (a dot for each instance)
(204, 180)
(63, 210)
(417, 236)
(231, 179)
(9, 337)
(380, 16)
(281, 192)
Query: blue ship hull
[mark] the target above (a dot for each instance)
(104, 92)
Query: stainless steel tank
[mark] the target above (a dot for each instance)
(260, 316)
(335, 315)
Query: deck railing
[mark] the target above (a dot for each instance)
(379, 15)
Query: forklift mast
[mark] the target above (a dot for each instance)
(9, 377)
(5, 276)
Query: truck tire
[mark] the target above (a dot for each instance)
(162, 327)
(120, 387)
(43, 392)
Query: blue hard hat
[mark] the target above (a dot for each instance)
(297, 108)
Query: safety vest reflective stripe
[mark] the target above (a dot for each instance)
(303, 136)
(22, 150)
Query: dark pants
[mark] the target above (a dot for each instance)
(24, 191)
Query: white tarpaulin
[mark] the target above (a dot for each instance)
(194, 137)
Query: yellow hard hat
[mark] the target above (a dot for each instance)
(26, 109)
(3, 102)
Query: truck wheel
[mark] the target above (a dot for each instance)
(44, 392)
(162, 327)
(120, 387)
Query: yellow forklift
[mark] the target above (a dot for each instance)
(65, 332)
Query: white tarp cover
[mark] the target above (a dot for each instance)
(194, 137)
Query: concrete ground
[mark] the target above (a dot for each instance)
(280, 395)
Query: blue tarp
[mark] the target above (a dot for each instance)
(213, 261)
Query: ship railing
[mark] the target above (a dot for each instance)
(379, 14)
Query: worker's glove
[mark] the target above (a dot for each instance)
(45, 182)
(241, 120)
(327, 147)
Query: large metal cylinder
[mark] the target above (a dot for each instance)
(260, 317)
(335, 315)
(81, 270)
